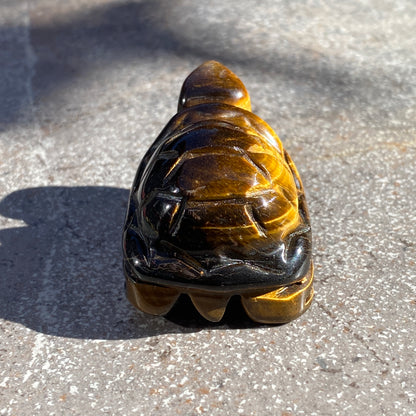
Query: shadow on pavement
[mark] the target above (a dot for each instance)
(61, 274)
(66, 45)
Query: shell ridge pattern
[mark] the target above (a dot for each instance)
(217, 112)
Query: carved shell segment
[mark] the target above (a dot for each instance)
(222, 185)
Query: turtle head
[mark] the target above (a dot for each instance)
(212, 82)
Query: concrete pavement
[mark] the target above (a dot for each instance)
(85, 87)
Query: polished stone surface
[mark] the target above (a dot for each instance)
(85, 88)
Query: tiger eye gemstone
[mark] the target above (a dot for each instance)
(210, 83)
(217, 208)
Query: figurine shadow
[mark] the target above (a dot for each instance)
(61, 274)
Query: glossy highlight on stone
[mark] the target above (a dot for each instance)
(217, 209)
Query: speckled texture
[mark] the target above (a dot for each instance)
(85, 87)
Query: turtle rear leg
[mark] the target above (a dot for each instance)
(273, 306)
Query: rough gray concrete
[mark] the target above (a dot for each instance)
(85, 87)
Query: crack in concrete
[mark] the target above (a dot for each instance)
(31, 60)
(358, 337)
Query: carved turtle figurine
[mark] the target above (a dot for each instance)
(217, 209)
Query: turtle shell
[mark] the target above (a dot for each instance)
(217, 203)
